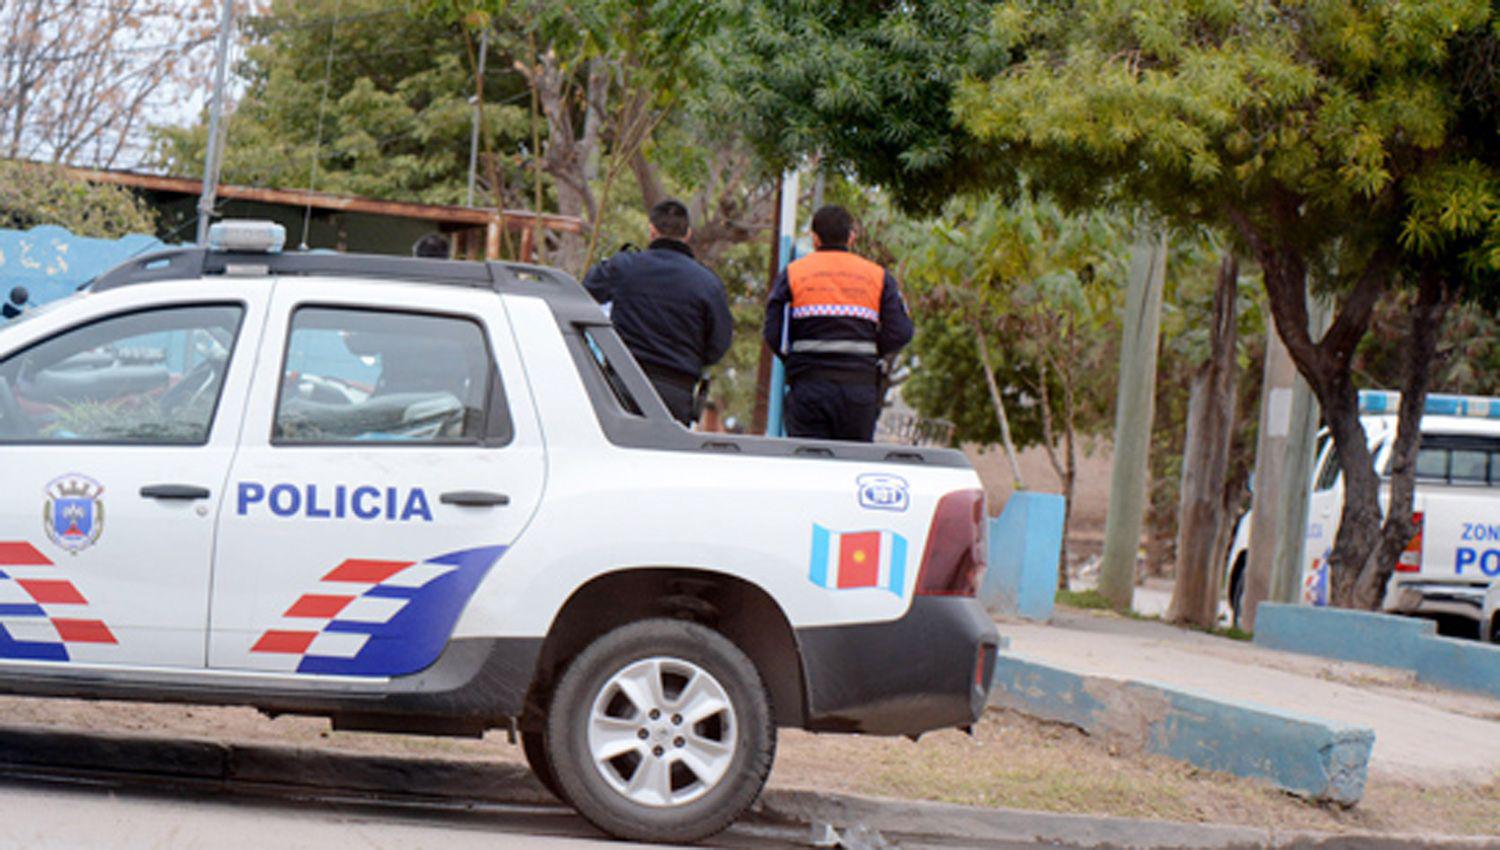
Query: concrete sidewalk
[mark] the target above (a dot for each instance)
(1421, 734)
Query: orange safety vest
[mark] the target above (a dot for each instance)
(836, 284)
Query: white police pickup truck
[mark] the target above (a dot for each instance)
(439, 497)
(1453, 561)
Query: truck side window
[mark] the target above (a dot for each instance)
(362, 376)
(1468, 466)
(151, 378)
(1432, 463)
(611, 376)
(1459, 459)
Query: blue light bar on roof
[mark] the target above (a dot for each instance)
(1389, 402)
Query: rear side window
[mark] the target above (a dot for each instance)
(610, 374)
(1462, 459)
(150, 378)
(366, 376)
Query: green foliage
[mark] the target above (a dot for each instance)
(1088, 600)
(1329, 127)
(396, 119)
(866, 86)
(32, 195)
(1043, 287)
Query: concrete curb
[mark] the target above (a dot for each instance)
(33, 750)
(1313, 758)
(973, 826)
(1386, 640)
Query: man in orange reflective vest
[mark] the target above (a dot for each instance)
(832, 317)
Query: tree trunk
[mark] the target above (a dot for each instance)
(1326, 366)
(1433, 300)
(1210, 430)
(999, 403)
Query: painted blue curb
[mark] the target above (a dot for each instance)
(1386, 640)
(1025, 544)
(1313, 758)
(51, 262)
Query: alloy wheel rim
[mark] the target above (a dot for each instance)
(662, 732)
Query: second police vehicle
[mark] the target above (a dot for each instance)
(1451, 567)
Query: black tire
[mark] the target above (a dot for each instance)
(749, 726)
(1237, 590)
(534, 745)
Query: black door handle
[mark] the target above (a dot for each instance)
(174, 491)
(474, 498)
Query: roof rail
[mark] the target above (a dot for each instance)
(194, 261)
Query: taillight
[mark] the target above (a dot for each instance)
(953, 564)
(1411, 557)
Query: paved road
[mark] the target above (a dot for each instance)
(53, 814)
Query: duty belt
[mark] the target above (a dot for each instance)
(835, 346)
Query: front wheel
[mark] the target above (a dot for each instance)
(661, 731)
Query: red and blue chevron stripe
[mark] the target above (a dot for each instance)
(40, 612)
(378, 618)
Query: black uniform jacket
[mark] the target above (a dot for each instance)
(670, 310)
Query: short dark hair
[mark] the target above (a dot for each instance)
(433, 245)
(833, 224)
(670, 218)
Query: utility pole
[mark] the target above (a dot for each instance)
(1271, 474)
(214, 149)
(786, 238)
(1301, 454)
(484, 47)
(1135, 407)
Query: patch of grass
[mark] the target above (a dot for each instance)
(1093, 600)
(1089, 600)
(1231, 632)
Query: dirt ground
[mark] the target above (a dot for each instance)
(1010, 761)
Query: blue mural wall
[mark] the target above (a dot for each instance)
(51, 262)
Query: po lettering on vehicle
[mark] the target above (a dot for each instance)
(1474, 560)
(340, 501)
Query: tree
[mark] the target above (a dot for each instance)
(77, 81)
(604, 75)
(33, 195)
(358, 97)
(1332, 138)
(1349, 147)
(1033, 294)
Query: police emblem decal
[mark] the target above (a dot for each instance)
(883, 492)
(73, 515)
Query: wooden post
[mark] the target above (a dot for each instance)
(1270, 473)
(1301, 451)
(1135, 407)
(492, 239)
(526, 244)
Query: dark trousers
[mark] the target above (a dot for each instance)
(832, 410)
(676, 391)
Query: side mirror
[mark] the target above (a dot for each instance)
(19, 296)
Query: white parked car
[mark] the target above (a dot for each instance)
(440, 497)
(1454, 559)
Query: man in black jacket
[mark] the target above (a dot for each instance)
(670, 310)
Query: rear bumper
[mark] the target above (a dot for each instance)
(1432, 598)
(931, 669)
